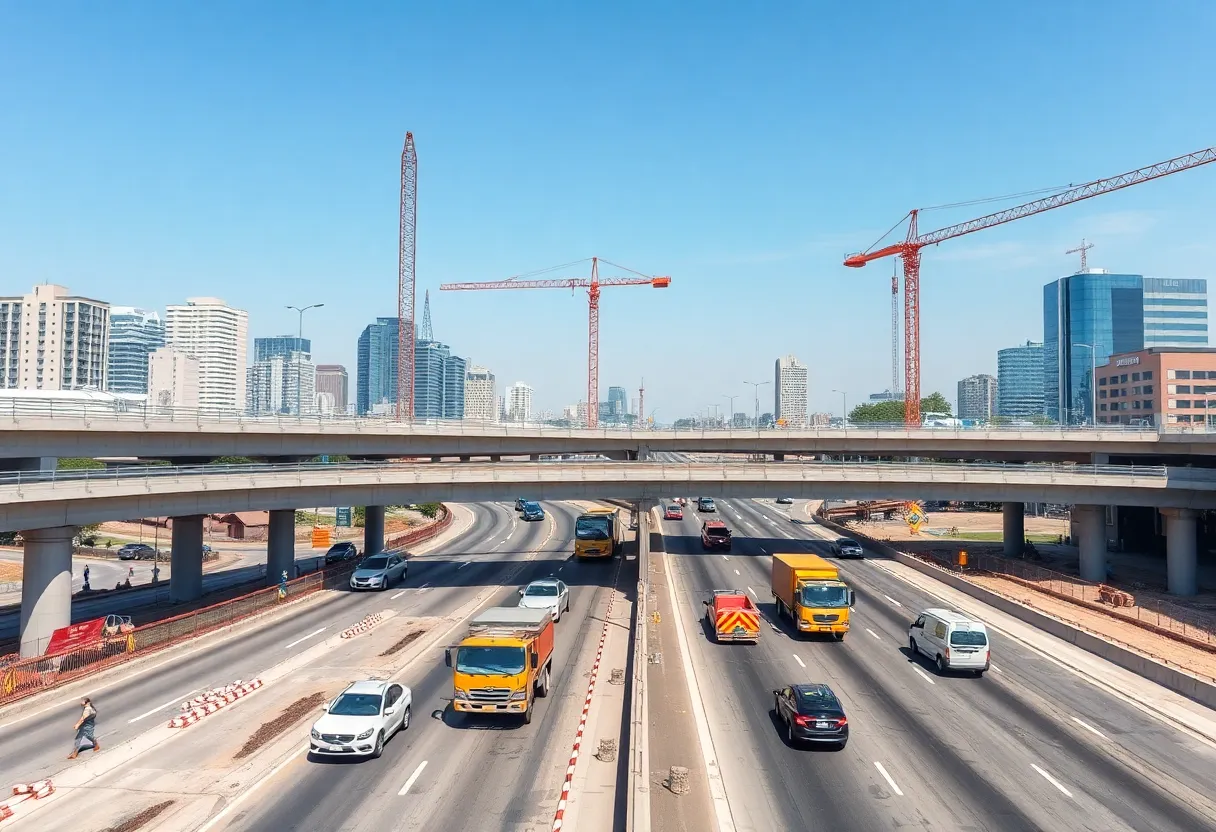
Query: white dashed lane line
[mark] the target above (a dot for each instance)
(892, 600)
(887, 777)
(876, 635)
(1053, 781)
(798, 659)
(1091, 729)
(923, 675)
(398, 595)
(303, 638)
(413, 778)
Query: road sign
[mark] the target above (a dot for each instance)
(343, 516)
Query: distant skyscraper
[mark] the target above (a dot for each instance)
(282, 384)
(217, 335)
(264, 348)
(332, 383)
(50, 340)
(479, 394)
(1019, 381)
(618, 401)
(519, 402)
(977, 397)
(376, 376)
(1090, 315)
(134, 334)
(439, 376)
(790, 386)
(172, 379)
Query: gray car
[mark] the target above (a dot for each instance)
(847, 547)
(379, 571)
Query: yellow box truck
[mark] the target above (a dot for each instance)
(810, 591)
(504, 662)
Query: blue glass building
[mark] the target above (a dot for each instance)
(1090, 315)
(134, 334)
(265, 349)
(1019, 381)
(439, 376)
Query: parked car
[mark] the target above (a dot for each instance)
(785, 501)
(532, 511)
(673, 512)
(952, 640)
(379, 571)
(811, 713)
(847, 547)
(706, 504)
(362, 719)
(136, 551)
(547, 594)
(341, 551)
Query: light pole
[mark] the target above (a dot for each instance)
(844, 407)
(1093, 380)
(731, 415)
(756, 385)
(299, 339)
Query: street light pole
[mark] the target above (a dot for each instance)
(756, 385)
(844, 407)
(1093, 380)
(731, 415)
(299, 339)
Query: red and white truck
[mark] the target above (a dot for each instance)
(733, 616)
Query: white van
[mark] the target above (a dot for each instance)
(953, 640)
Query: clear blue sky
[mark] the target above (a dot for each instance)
(153, 153)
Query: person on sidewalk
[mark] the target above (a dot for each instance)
(85, 726)
(86, 578)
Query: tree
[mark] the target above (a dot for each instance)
(232, 460)
(935, 403)
(73, 463)
(359, 516)
(429, 510)
(892, 413)
(685, 424)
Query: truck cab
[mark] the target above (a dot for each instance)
(503, 663)
(810, 591)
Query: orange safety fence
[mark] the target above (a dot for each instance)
(20, 678)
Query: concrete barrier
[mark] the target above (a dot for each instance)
(1174, 679)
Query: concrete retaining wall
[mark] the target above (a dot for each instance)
(1168, 677)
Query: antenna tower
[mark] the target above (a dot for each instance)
(426, 333)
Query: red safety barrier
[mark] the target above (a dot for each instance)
(363, 626)
(23, 792)
(211, 701)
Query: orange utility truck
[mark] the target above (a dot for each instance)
(732, 616)
(504, 662)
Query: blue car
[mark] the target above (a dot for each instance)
(533, 511)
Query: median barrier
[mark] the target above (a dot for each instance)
(22, 792)
(211, 701)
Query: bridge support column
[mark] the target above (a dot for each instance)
(533, 457)
(1091, 540)
(1180, 551)
(778, 457)
(495, 457)
(46, 586)
(186, 559)
(373, 530)
(1014, 523)
(465, 458)
(281, 546)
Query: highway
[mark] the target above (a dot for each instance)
(1028, 746)
(506, 773)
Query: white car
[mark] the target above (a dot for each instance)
(549, 594)
(362, 719)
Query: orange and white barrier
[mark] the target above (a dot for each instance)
(23, 792)
(211, 701)
(363, 626)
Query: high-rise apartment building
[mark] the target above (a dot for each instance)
(790, 391)
(172, 379)
(1091, 315)
(332, 388)
(50, 340)
(479, 394)
(519, 402)
(977, 397)
(281, 384)
(264, 348)
(218, 336)
(134, 334)
(1019, 381)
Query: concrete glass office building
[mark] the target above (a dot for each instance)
(1019, 381)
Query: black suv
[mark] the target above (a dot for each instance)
(346, 550)
(136, 551)
(811, 713)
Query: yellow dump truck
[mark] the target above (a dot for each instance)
(810, 591)
(598, 534)
(504, 662)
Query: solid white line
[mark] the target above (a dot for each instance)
(887, 777)
(724, 557)
(413, 778)
(924, 675)
(463, 565)
(892, 600)
(798, 659)
(752, 591)
(398, 595)
(304, 638)
(876, 635)
(1053, 781)
(1089, 728)
(172, 701)
(239, 799)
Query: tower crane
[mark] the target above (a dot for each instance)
(909, 250)
(593, 286)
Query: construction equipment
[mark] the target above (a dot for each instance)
(405, 280)
(909, 251)
(593, 286)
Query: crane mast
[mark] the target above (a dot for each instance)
(405, 281)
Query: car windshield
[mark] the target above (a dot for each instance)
(376, 562)
(825, 596)
(489, 661)
(968, 638)
(591, 528)
(718, 532)
(707, 502)
(811, 700)
(844, 541)
(356, 704)
(546, 590)
(531, 506)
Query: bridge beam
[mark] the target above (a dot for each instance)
(281, 545)
(1014, 524)
(46, 586)
(1091, 540)
(373, 530)
(1181, 552)
(186, 559)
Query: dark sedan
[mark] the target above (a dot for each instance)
(345, 550)
(811, 713)
(136, 551)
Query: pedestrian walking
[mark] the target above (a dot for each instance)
(86, 576)
(130, 572)
(85, 726)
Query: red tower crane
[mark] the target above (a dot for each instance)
(593, 286)
(910, 248)
(405, 281)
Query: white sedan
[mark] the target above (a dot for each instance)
(362, 719)
(549, 594)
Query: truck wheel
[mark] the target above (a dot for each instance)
(528, 715)
(542, 689)
(838, 636)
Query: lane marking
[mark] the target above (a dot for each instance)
(425, 585)
(413, 778)
(1053, 781)
(888, 778)
(798, 659)
(240, 798)
(173, 701)
(892, 600)
(923, 675)
(304, 638)
(1089, 728)
(876, 635)
(463, 565)
(753, 592)
(724, 557)
(994, 667)
(398, 595)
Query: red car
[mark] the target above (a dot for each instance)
(715, 535)
(673, 512)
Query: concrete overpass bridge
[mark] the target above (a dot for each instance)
(48, 507)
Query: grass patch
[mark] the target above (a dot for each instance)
(292, 714)
(143, 818)
(407, 639)
(997, 537)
